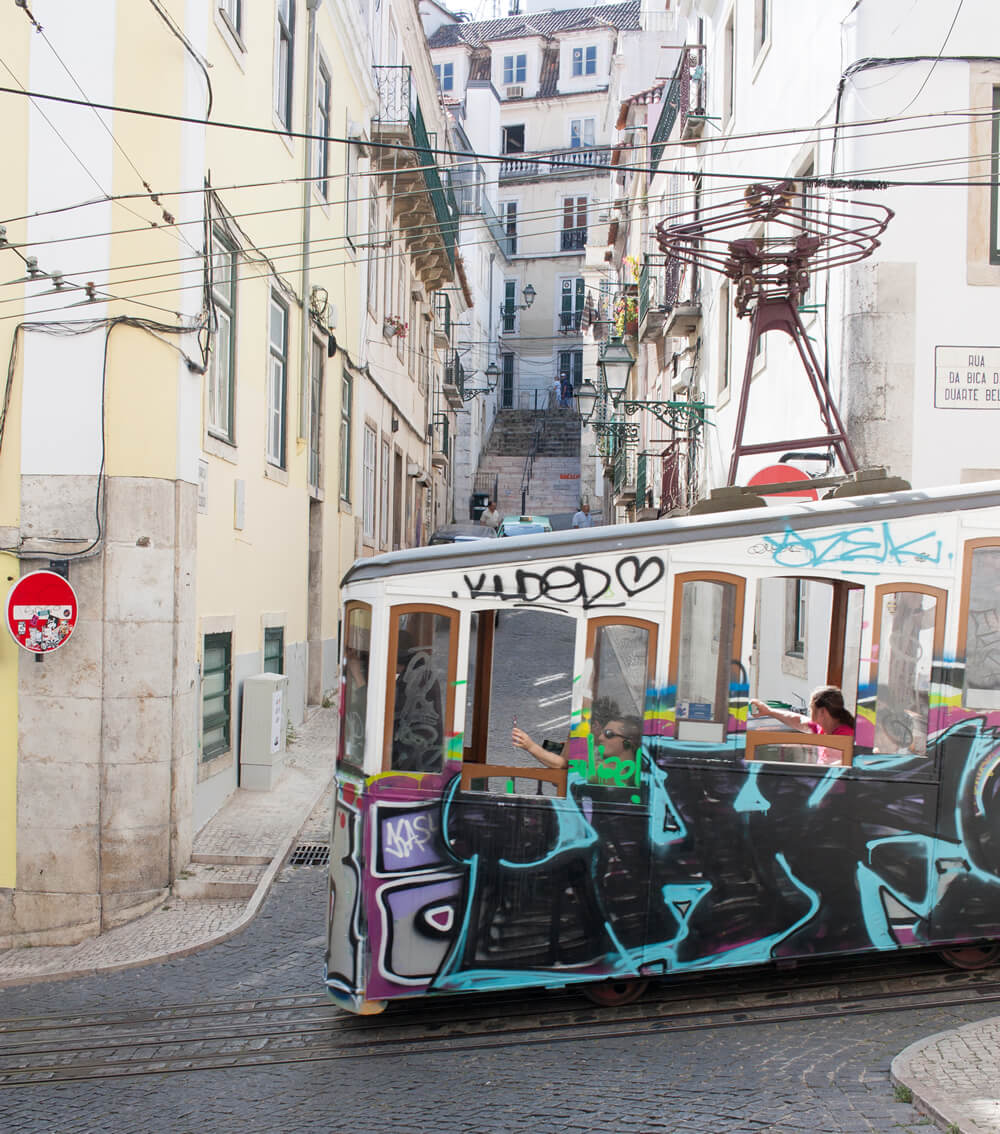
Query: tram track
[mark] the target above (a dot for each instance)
(180, 1039)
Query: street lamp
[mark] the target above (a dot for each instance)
(586, 399)
(616, 364)
(470, 391)
(529, 294)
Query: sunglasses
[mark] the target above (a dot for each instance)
(612, 735)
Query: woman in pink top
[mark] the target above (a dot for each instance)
(827, 716)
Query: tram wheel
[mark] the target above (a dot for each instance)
(611, 993)
(971, 956)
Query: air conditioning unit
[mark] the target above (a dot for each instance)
(515, 92)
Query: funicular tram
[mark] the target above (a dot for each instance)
(680, 835)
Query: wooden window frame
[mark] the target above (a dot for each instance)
(675, 613)
(349, 608)
(969, 548)
(653, 629)
(395, 613)
(940, 613)
(759, 737)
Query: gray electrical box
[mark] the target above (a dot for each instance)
(262, 734)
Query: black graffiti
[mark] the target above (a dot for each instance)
(571, 583)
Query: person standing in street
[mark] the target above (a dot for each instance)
(490, 516)
(583, 518)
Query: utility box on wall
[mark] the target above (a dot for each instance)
(262, 735)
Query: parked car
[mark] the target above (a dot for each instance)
(459, 533)
(523, 525)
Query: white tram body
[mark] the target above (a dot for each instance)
(459, 862)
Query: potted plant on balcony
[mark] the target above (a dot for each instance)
(626, 315)
(393, 326)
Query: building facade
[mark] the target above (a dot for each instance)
(201, 357)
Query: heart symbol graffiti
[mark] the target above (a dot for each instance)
(636, 577)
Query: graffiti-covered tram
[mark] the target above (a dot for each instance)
(658, 828)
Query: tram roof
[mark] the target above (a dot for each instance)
(675, 530)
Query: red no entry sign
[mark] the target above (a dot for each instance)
(41, 611)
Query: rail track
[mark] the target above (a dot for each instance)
(185, 1038)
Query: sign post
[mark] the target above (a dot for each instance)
(41, 612)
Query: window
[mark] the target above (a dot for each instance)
(908, 634)
(795, 618)
(345, 439)
(509, 323)
(284, 57)
(513, 139)
(573, 237)
(351, 186)
(728, 69)
(232, 10)
(368, 483)
(708, 610)
(277, 381)
(274, 649)
(571, 366)
(357, 654)
(216, 699)
(384, 495)
(420, 701)
(316, 413)
(222, 366)
(571, 296)
(321, 145)
(622, 653)
(508, 211)
(979, 624)
(725, 346)
(585, 60)
(761, 24)
(374, 221)
(445, 73)
(541, 688)
(515, 69)
(506, 381)
(995, 181)
(581, 132)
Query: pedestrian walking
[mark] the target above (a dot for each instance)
(583, 518)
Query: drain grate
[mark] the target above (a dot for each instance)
(310, 854)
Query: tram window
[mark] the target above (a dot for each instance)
(980, 625)
(708, 615)
(420, 705)
(908, 632)
(354, 701)
(520, 672)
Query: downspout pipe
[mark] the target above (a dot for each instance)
(305, 353)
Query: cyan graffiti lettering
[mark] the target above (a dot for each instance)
(857, 545)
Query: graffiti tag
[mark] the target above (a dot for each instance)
(408, 840)
(571, 583)
(872, 544)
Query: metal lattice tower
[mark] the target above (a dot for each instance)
(793, 235)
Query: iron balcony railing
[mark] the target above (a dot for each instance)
(625, 469)
(676, 104)
(442, 313)
(640, 478)
(569, 321)
(473, 202)
(554, 161)
(398, 105)
(454, 372)
(573, 239)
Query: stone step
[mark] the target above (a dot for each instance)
(216, 880)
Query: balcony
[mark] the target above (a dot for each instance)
(454, 381)
(625, 474)
(669, 298)
(442, 321)
(569, 322)
(555, 163)
(423, 207)
(573, 239)
(473, 202)
(676, 105)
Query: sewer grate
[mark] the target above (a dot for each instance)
(310, 854)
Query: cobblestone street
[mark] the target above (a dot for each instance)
(822, 1076)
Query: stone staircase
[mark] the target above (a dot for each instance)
(555, 476)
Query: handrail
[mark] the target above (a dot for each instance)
(529, 464)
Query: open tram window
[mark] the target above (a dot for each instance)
(908, 633)
(979, 624)
(354, 695)
(420, 692)
(621, 657)
(807, 634)
(520, 673)
(704, 652)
